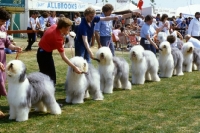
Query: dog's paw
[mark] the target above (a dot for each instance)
(98, 99)
(180, 74)
(21, 119)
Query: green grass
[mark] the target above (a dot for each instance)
(172, 105)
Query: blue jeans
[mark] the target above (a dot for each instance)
(107, 41)
(147, 46)
(80, 50)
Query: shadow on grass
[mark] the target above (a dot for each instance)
(32, 114)
(196, 97)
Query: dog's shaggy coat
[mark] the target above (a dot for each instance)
(178, 61)
(114, 71)
(77, 85)
(144, 65)
(187, 51)
(166, 62)
(35, 90)
(196, 59)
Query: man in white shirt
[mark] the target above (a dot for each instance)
(194, 27)
(194, 41)
(32, 25)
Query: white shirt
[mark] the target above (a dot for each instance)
(52, 21)
(33, 22)
(77, 20)
(195, 42)
(194, 27)
(165, 29)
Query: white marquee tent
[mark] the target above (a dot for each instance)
(188, 10)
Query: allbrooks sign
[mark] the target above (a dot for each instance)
(57, 6)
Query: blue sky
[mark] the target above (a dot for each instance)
(159, 3)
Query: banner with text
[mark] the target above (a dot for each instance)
(56, 6)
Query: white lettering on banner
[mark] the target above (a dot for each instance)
(69, 6)
(40, 4)
(61, 5)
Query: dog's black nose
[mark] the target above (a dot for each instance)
(102, 55)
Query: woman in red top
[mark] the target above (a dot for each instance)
(51, 40)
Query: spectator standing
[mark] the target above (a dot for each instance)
(157, 18)
(103, 29)
(164, 21)
(4, 43)
(43, 22)
(179, 20)
(183, 28)
(193, 40)
(194, 27)
(52, 19)
(77, 21)
(147, 34)
(33, 23)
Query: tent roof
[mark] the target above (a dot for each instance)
(119, 7)
(189, 10)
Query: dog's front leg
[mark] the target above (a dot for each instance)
(22, 113)
(109, 85)
(12, 112)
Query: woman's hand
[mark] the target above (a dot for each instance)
(2, 68)
(91, 55)
(76, 69)
(18, 49)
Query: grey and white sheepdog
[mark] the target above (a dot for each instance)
(178, 61)
(144, 65)
(196, 59)
(114, 71)
(78, 85)
(187, 51)
(35, 90)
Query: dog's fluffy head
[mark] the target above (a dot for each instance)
(80, 63)
(104, 55)
(187, 48)
(16, 70)
(161, 37)
(136, 53)
(165, 48)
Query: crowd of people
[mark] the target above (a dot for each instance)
(110, 30)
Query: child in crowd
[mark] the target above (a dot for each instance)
(7, 50)
(174, 42)
(171, 39)
(115, 37)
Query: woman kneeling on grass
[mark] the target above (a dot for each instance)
(52, 39)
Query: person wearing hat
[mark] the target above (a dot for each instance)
(194, 27)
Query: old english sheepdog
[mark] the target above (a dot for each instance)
(78, 85)
(144, 65)
(166, 62)
(178, 61)
(161, 37)
(35, 90)
(196, 59)
(187, 51)
(69, 42)
(114, 71)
